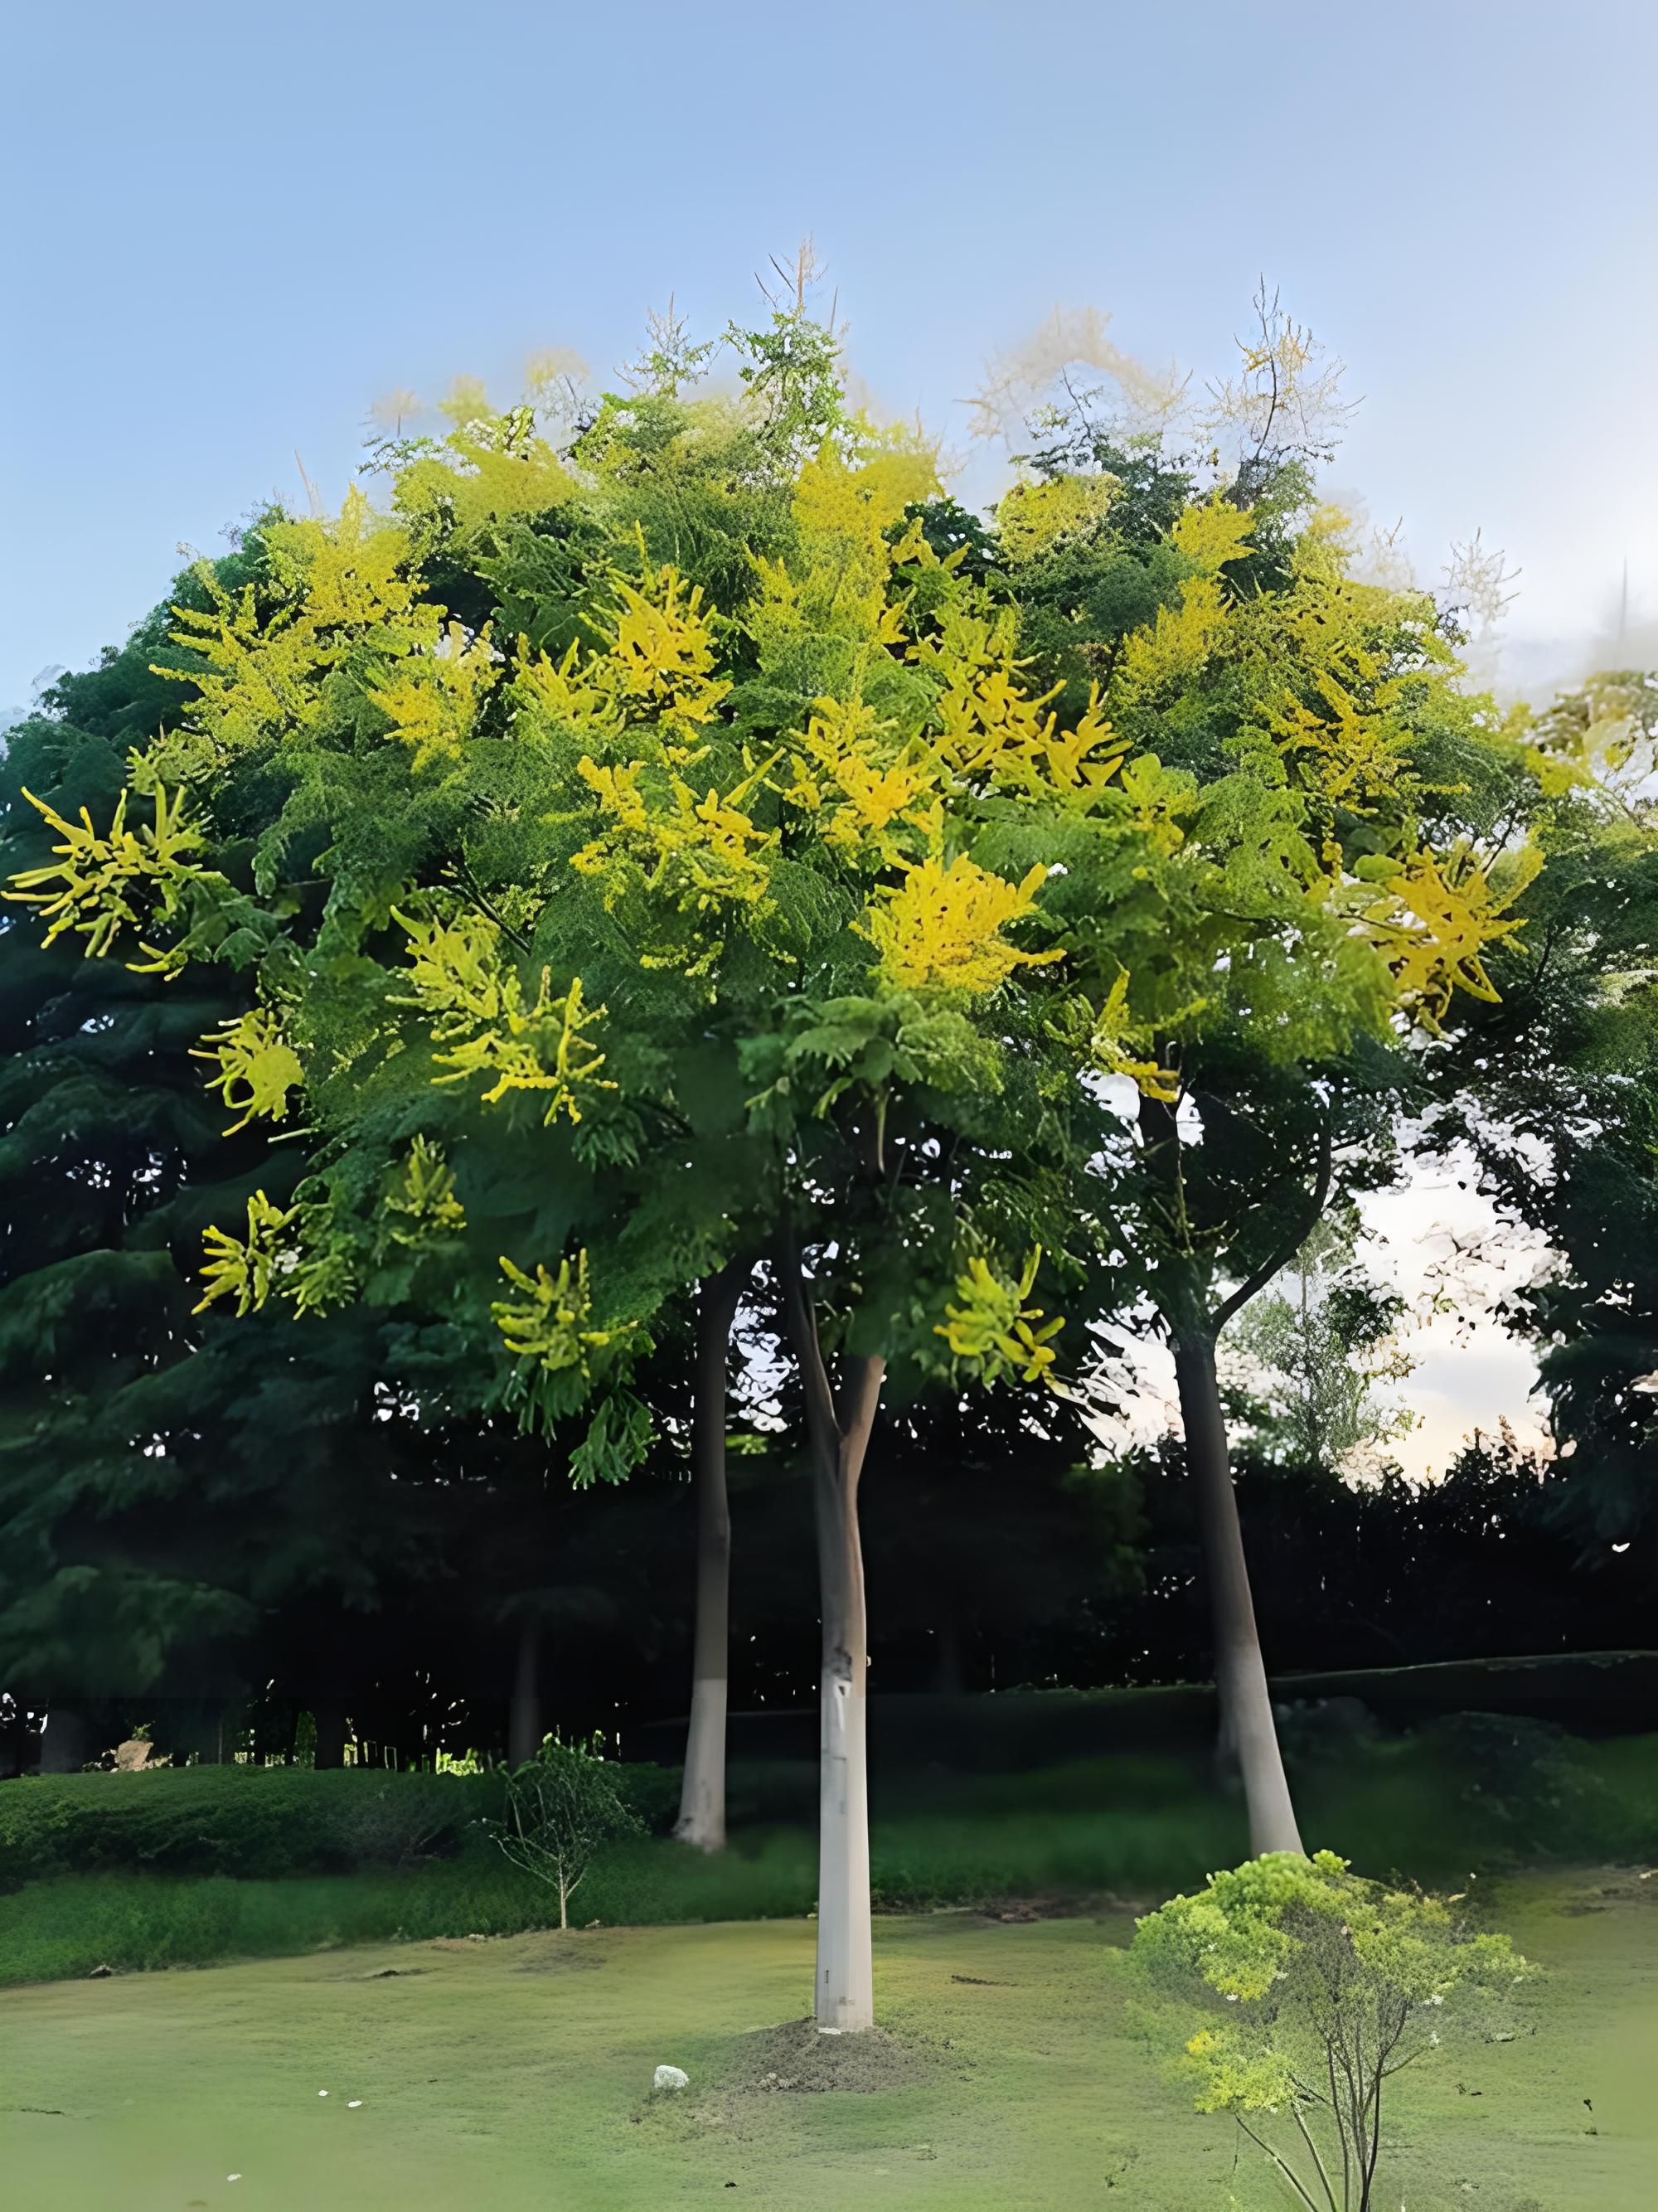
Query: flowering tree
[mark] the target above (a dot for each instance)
(1338, 840)
(651, 852)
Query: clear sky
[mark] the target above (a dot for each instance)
(233, 226)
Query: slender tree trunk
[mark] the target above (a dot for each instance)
(63, 1741)
(838, 1436)
(845, 1988)
(1246, 1705)
(702, 1799)
(524, 1729)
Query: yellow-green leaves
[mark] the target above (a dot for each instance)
(1440, 916)
(247, 1268)
(939, 929)
(431, 699)
(991, 1329)
(423, 1205)
(693, 856)
(1118, 1045)
(550, 1324)
(258, 1067)
(1035, 517)
(261, 673)
(655, 666)
(99, 885)
(461, 980)
(1181, 638)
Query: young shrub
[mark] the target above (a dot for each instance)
(561, 1806)
(1313, 1989)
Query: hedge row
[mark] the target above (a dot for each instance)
(263, 1822)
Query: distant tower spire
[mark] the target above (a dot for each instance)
(1622, 611)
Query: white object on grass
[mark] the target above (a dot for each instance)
(671, 2077)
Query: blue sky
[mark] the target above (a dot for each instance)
(234, 227)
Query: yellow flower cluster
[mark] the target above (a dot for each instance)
(461, 979)
(698, 853)
(1116, 1040)
(346, 584)
(1436, 920)
(432, 699)
(940, 927)
(99, 885)
(992, 1327)
(996, 734)
(258, 1067)
(1181, 638)
(424, 1200)
(246, 1268)
(551, 1321)
(655, 664)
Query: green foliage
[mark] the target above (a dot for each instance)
(562, 1806)
(251, 1822)
(1317, 1348)
(1316, 1987)
(261, 1822)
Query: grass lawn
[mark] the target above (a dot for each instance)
(516, 2073)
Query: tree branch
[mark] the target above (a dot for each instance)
(1287, 2171)
(802, 1317)
(1317, 1198)
(1313, 2150)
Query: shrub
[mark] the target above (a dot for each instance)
(1311, 1988)
(561, 1806)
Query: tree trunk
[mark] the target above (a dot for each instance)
(331, 1734)
(845, 1999)
(524, 1728)
(64, 1741)
(1246, 1706)
(702, 1799)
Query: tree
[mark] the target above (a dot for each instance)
(743, 895)
(1316, 1988)
(128, 1482)
(1548, 1102)
(1329, 868)
(561, 1806)
(702, 1805)
(1316, 1350)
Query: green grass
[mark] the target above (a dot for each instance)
(1135, 1829)
(516, 2073)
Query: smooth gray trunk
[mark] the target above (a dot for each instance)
(524, 1728)
(1248, 1728)
(845, 1998)
(702, 1797)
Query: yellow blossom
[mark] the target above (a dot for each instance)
(940, 927)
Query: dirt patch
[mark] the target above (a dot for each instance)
(799, 2058)
(1020, 1910)
(557, 1954)
(730, 2088)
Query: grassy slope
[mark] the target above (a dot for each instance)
(513, 2074)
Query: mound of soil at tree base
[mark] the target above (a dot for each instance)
(731, 2087)
(799, 2057)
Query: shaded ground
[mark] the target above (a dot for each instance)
(517, 2072)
